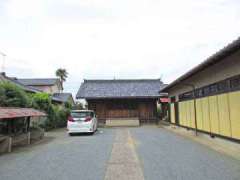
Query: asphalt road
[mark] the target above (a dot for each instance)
(167, 156)
(60, 158)
(124, 153)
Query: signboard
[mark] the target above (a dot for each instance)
(164, 100)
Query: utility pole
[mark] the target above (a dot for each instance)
(3, 61)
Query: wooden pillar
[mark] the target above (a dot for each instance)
(10, 144)
(29, 138)
(28, 123)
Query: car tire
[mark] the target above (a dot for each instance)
(70, 134)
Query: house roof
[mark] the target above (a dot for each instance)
(38, 81)
(3, 77)
(26, 88)
(64, 97)
(9, 112)
(215, 58)
(128, 88)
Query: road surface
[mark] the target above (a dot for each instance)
(147, 152)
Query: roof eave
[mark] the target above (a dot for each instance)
(215, 58)
(124, 97)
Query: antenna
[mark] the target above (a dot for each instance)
(3, 61)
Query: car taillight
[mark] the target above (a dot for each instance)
(88, 119)
(70, 119)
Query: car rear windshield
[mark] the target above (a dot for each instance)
(81, 114)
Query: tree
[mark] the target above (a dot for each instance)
(62, 74)
(78, 106)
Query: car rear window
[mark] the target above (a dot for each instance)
(82, 114)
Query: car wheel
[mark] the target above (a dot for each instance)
(70, 134)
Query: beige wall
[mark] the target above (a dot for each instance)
(49, 89)
(227, 68)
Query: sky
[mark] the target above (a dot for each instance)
(106, 39)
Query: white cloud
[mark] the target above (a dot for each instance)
(107, 38)
(24, 8)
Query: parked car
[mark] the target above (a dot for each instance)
(82, 121)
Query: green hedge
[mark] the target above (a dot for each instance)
(13, 96)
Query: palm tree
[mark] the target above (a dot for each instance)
(62, 74)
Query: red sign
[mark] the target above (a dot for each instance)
(164, 100)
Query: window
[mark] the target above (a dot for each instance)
(235, 83)
(199, 92)
(82, 114)
(206, 91)
(223, 86)
(187, 95)
(213, 89)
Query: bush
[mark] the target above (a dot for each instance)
(57, 115)
(41, 101)
(61, 114)
(13, 96)
(68, 105)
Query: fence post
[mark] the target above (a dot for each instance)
(10, 144)
(29, 138)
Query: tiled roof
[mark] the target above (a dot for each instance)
(16, 82)
(38, 82)
(27, 88)
(129, 88)
(64, 97)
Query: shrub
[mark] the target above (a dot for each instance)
(61, 117)
(68, 105)
(13, 96)
(57, 115)
(41, 101)
(78, 106)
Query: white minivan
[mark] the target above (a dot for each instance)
(82, 121)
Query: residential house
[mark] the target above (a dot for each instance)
(48, 85)
(64, 97)
(207, 98)
(51, 86)
(4, 78)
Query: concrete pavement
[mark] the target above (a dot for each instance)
(149, 153)
(123, 163)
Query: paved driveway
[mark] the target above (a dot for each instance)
(123, 153)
